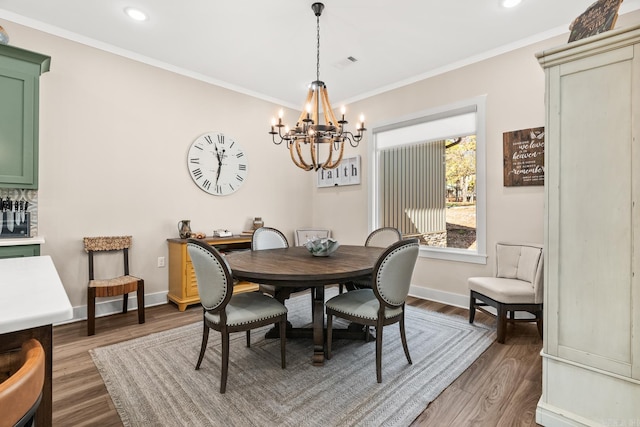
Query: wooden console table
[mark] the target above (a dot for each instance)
(183, 287)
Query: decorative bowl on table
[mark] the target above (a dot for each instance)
(322, 247)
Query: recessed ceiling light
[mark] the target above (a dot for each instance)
(135, 14)
(510, 3)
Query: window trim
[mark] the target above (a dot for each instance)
(479, 256)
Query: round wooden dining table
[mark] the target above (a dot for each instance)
(296, 267)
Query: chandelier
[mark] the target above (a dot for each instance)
(308, 133)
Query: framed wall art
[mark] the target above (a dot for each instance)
(523, 152)
(347, 173)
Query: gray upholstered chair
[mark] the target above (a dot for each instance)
(272, 238)
(303, 234)
(516, 286)
(383, 304)
(383, 237)
(225, 312)
(21, 381)
(379, 238)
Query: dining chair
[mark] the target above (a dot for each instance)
(225, 312)
(21, 383)
(379, 238)
(382, 304)
(112, 286)
(272, 238)
(302, 235)
(516, 286)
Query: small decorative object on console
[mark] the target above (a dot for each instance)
(222, 233)
(322, 247)
(257, 222)
(184, 228)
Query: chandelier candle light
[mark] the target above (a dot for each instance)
(308, 131)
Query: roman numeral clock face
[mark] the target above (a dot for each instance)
(217, 164)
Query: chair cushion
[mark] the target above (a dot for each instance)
(507, 291)
(517, 261)
(116, 281)
(528, 263)
(508, 257)
(249, 307)
(361, 303)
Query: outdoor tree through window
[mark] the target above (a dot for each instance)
(461, 198)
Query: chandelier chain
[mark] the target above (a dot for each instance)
(318, 48)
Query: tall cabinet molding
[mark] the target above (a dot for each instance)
(591, 351)
(20, 72)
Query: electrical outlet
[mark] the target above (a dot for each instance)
(160, 261)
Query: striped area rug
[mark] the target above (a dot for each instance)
(152, 380)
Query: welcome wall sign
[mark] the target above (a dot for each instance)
(523, 157)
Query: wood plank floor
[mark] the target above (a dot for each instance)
(501, 388)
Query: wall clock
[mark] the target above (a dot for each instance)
(217, 163)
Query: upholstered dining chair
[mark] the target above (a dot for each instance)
(112, 286)
(272, 238)
(384, 303)
(516, 286)
(21, 388)
(228, 313)
(379, 238)
(302, 235)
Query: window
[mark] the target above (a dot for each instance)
(428, 180)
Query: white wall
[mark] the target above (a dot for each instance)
(514, 85)
(114, 135)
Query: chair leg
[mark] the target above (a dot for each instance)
(403, 336)
(125, 303)
(283, 342)
(91, 311)
(329, 334)
(140, 295)
(379, 328)
(472, 308)
(502, 323)
(203, 346)
(249, 338)
(539, 323)
(225, 361)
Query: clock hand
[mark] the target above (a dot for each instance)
(219, 164)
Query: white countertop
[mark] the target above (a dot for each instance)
(19, 241)
(31, 294)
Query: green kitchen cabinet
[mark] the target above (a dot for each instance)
(19, 251)
(20, 72)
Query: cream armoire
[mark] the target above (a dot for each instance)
(591, 352)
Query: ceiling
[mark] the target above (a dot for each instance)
(268, 48)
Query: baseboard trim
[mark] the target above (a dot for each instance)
(443, 297)
(107, 308)
(551, 416)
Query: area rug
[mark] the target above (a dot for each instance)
(152, 380)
